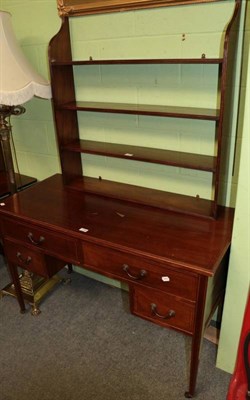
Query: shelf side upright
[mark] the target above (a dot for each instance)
(63, 91)
(226, 93)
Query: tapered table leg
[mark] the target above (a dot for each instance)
(197, 337)
(193, 367)
(70, 269)
(14, 274)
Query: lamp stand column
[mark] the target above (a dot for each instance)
(5, 136)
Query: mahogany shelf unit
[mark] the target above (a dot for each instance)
(121, 203)
(66, 109)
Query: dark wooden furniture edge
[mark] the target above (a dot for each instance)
(22, 181)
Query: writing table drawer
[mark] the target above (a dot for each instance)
(32, 260)
(162, 309)
(56, 244)
(25, 258)
(128, 267)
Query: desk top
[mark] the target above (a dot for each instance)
(193, 243)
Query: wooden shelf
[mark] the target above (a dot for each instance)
(143, 109)
(141, 61)
(146, 154)
(144, 196)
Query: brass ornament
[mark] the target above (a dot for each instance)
(62, 9)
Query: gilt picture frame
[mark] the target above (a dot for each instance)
(87, 7)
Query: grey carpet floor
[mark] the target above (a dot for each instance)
(85, 345)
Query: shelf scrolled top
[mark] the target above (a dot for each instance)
(81, 7)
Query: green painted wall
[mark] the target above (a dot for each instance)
(239, 268)
(149, 33)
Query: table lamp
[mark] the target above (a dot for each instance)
(19, 82)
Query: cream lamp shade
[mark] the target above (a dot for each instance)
(19, 82)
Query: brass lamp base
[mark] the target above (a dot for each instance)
(5, 141)
(34, 288)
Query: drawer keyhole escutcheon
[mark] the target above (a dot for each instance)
(33, 241)
(23, 260)
(140, 275)
(170, 314)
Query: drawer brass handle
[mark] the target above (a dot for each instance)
(170, 314)
(141, 274)
(33, 241)
(23, 260)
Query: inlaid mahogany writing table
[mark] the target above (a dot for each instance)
(175, 265)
